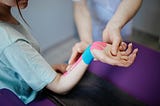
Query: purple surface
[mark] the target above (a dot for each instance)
(141, 80)
(7, 98)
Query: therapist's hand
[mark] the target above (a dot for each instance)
(111, 34)
(77, 51)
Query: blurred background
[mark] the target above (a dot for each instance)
(52, 24)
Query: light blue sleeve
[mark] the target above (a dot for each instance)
(29, 64)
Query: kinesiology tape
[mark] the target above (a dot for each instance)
(87, 56)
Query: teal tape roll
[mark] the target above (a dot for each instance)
(87, 56)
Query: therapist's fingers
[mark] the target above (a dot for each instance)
(74, 57)
(115, 46)
(77, 50)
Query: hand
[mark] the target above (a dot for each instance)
(111, 34)
(125, 56)
(61, 68)
(77, 50)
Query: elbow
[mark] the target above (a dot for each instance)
(63, 93)
(58, 89)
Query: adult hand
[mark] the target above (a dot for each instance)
(61, 68)
(77, 50)
(111, 34)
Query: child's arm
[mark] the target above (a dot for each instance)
(65, 82)
(101, 51)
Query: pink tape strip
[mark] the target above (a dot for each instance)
(74, 65)
(98, 45)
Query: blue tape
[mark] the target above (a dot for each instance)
(87, 56)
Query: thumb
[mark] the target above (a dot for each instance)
(115, 46)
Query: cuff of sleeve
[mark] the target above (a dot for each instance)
(48, 80)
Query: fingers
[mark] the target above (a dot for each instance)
(69, 67)
(103, 57)
(123, 46)
(131, 59)
(128, 50)
(132, 56)
(77, 51)
(73, 57)
(115, 46)
(124, 58)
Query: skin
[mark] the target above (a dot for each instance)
(125, 12)
(5, 10)
(61, 84)
(111, 34)
(64, 83)
(123, 58)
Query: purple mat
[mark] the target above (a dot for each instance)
(141, 80)
(7, 98)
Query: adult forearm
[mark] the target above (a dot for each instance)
(126, 11)
(83, 21)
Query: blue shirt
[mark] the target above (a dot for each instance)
(22, 69)
(101, 12)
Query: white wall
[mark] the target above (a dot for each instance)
(51, 20)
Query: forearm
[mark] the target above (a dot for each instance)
(126, 11)
(65, 82)
(83, 21)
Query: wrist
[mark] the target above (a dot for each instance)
(114, 24)
(87, 42)
(87, 56)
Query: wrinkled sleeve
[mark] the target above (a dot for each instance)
(29, 64)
